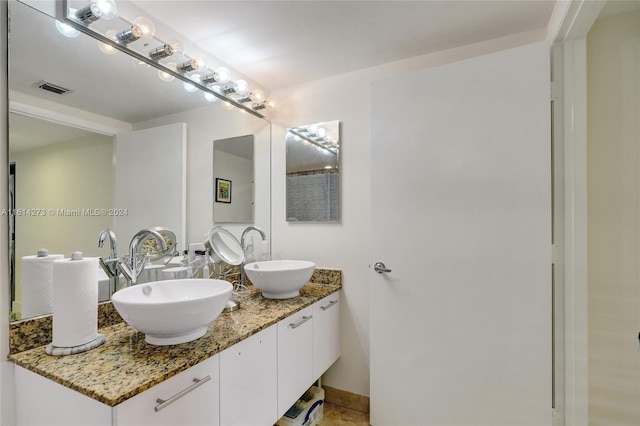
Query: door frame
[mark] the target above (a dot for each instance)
(573, 22)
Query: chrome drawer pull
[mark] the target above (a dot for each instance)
(299, 323)
(163, 404)
(332, 303)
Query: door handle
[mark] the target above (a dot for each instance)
(380, 267)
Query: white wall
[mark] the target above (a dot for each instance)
(346, 245)
(613, 55)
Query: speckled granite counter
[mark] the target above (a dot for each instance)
(126, 365)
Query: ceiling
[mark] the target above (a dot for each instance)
(282, 43)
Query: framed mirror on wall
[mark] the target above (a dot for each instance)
(313, 172)
(110, 96)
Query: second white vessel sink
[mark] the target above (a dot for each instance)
(173, 311)
(280, 279)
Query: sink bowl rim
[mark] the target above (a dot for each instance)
(302, 264)
(122, 295)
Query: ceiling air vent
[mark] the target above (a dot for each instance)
(53, 88)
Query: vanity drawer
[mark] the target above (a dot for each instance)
(295, 355)
(189, 398)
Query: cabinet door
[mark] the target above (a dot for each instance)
(190, 398)
(295, 351)
(326, 333)
(248, 381)
(40, 401)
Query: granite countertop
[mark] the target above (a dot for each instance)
(126, 365)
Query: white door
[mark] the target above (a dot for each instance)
(150, 182)
(461, 215)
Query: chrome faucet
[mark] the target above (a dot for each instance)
(132, 265)
(243, 275)
(109, 266)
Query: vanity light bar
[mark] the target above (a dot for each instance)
(129, 35)
(188, 66)
(301, 133)
(106, 9)
(161, 52)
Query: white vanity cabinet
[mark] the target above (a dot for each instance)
(295, 355)
(253, 382)
(326, 333)
(189, 398)
(249, 382)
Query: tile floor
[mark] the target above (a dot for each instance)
(335, 415)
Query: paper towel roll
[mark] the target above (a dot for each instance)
(37, 283)
(75, 301)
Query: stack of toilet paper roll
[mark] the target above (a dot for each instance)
(37, 283)
(75, 301)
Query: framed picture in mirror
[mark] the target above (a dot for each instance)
(223, 190)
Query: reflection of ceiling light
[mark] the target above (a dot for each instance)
(67, 30)
(210, 97)
(106, 48)
(165, 76)
(190, 87)
(97, 9)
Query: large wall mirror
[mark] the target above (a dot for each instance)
(313, 172)
(63, 147)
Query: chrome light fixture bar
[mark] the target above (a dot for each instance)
(303, 134)
(188, 66)
(75, 20)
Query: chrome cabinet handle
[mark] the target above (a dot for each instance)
(332, 303)
(197, 383)
(380, 267)
(299, 323)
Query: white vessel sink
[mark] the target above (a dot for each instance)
(173, 311)
(280, 279)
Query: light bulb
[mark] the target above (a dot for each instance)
(165, 76)
(223, 75)
(188, 66)
(241, 87)
(105, 48)
(145, 25)
(107, 8)
(97, 9)
(67, 30)
(257, 95)
(176, 46)
(210, 97)
(191, 87)
(165, 50)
